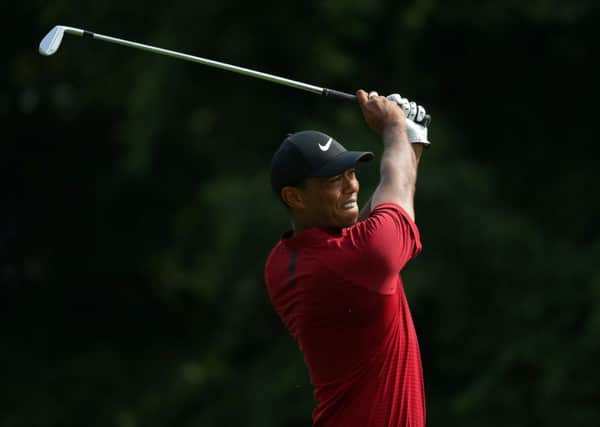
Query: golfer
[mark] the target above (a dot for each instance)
(334, 279)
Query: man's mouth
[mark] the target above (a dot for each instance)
(350, 204)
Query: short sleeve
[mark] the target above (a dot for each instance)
(373, 251)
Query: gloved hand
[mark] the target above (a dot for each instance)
(416, 122)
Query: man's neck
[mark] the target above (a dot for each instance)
(299, 226)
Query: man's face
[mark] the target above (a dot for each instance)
(333, 201)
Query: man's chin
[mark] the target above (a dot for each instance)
(349, 218)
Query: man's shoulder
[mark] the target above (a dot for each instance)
(390, 209)
(314, 245)
(275, 251)
(383, 220)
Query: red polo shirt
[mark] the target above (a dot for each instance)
(340, 295)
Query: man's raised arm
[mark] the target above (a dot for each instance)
(400, 159)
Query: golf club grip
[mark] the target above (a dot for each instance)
(339, 95)
(348, 97)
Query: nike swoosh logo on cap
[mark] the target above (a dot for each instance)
(326, 146)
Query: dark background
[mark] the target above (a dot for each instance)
(136, 210)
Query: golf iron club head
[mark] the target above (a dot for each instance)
(51, 42)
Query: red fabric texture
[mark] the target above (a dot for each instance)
(340, 295)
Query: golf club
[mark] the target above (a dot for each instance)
(51, 42)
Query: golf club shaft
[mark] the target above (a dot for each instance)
(240, 70)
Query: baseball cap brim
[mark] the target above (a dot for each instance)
(343, 161)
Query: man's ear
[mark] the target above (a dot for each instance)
(293, 197)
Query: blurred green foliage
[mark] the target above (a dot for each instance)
(138, 212)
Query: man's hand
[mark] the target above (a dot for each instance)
(381, 114)
(415, 129)
(398, 168)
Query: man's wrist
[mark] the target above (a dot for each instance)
(394, 133)
(418, 149)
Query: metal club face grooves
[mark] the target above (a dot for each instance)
(51, 42)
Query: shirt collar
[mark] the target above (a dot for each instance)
(311, 236)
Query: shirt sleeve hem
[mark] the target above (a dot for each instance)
(413, 225)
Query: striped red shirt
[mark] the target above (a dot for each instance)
(340, 295)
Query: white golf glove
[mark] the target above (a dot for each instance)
(416, 129)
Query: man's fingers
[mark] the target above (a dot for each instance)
(362, 96)
(402, 102)
(420, 114)
(396, 98)
(413, 111)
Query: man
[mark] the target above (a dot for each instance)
(334, 280)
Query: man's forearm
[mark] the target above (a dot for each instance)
(398, 175)
(418, 149)
(398, 169)
(368, 207)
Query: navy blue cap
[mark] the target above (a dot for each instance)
(311, 154)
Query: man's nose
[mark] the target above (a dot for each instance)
(351, 182)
